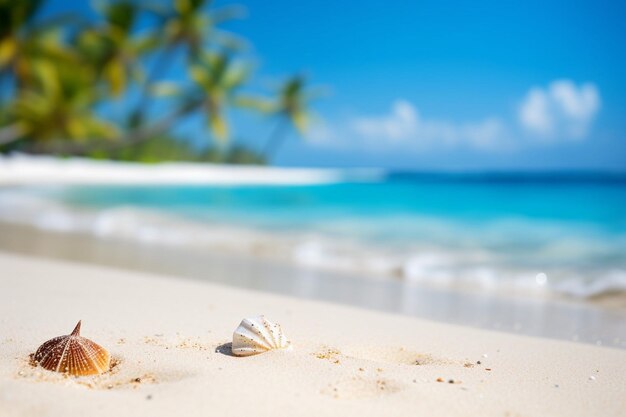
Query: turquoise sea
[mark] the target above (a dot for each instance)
(539, 232)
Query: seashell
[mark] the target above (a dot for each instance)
(73, 354)
(257, 335)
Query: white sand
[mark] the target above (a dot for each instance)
(42, 170)
(345, 362)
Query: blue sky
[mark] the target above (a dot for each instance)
(445, 85)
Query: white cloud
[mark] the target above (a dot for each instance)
(399, 125)
(561, 111)
(405, 125)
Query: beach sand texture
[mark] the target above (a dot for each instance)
(38, 170)
(169, 341)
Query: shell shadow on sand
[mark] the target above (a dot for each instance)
(225, 349)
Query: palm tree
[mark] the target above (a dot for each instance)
(219, 77)
(113, 48)
(25, 47)
(292, 111)
(57, 105)
(22, 39)
(61, 74)
(14, 18)
(190, 26)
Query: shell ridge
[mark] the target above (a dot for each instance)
(249, 325)
(248, 337)
(258, 339)
(267, 337)
(270, 331)
(67, 344)
(242, 351)
(50, 342)
(92, 356)
(255, 333)
(80, 355)
(74, 355)
(72, 362)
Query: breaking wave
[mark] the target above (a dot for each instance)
(489, 256)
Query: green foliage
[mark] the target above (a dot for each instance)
(164, 148)
(293, 102)
(65, 70)
(14, 17)
(291, 109)
(218, 76)
(112, 49)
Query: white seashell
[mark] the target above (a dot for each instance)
(257, 335)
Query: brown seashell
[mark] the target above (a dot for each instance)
(73, 354)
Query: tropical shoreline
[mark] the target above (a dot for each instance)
(300, 217)
(294, 262)
(595, 321)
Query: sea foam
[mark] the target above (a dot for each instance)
(466, 266)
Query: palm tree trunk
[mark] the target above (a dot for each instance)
(276, 138)
(134, 137)
(9, 134)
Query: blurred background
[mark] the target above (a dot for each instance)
(464, 162)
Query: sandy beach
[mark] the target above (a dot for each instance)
(601, 321)
(228, 209)
(168, 339)
(46, 170)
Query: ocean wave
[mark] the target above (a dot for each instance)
(465, 265)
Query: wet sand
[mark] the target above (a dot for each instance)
(588, 322)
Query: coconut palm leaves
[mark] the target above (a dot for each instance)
(21, 39)
(44, 72)
(293, 100)
(15, 16)
(65, 73)
(57, 104)
(189, 24)
(219, 77)
(113, 48)
(292, 110)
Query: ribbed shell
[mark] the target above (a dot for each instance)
(73, 354)
(257, 335)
